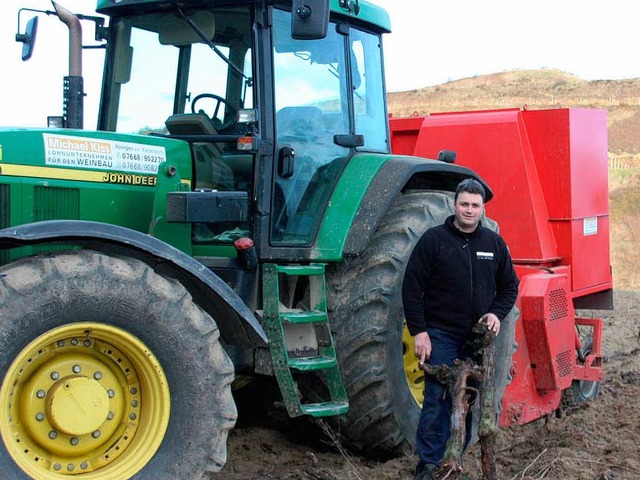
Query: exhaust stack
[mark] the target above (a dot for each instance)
(73, 87)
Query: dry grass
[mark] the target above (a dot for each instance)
(624, 195)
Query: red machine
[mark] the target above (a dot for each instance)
(549, 174)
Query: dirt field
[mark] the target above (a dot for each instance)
(598, 442)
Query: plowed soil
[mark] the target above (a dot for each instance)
(600, 441)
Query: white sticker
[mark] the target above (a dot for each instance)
(590, 226)
(100, 154)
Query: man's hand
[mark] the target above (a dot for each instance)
(492, 322)
(422, 344)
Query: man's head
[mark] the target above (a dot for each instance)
(469, 204)
(470, 185)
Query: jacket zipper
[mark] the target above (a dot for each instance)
(468, 248)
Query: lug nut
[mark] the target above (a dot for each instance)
(111, 393)
(74, 441)
(74, 342)
(76, 369)
(97, 375)
(54, 375)
(41, 394)
(53, 434)
(96, 434)
(39, 416)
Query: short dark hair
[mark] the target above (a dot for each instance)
(470, 185)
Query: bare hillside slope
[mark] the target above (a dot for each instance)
(537, 89)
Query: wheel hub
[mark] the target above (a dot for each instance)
(73, 403)
(77, 405)
(414, 376)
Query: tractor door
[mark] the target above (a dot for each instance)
(329, 103)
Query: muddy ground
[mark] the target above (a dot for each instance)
(600, 441)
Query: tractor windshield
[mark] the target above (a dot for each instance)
(323, 88)
(179, 62)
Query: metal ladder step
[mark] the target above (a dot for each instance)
(284, 324)
(325, 409)
(303, 316)
(309, 364)
(307, 270)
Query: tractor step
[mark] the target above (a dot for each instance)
(293, 331)
(309, 364)
(325, 409)
(304, 270)
(303, 316)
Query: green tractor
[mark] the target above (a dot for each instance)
(236, 213)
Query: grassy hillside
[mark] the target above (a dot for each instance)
(550, 89)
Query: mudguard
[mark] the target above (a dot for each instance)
(401, 173)
(238, 325)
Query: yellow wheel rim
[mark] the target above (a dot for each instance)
(84, 398)
(415, 376)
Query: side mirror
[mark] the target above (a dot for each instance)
(447, 156)
(28, 38)
(309, 19)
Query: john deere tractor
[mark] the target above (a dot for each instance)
(236, 213)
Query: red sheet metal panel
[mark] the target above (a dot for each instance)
(570, 148)
(543, 336)
(548, 318)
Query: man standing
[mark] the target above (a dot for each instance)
(459, 273)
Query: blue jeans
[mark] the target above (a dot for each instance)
(434, 427)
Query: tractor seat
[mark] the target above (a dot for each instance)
(218, 175)
(190, 124)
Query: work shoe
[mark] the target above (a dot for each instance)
(427, 472)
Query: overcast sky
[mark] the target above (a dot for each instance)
(433, 41)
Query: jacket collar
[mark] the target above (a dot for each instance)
(451, 226)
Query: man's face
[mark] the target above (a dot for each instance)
(469, 208)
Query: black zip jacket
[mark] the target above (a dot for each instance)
(453, 278)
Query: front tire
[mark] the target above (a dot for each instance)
(100, 328)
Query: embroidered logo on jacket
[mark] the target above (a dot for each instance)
(484, 255)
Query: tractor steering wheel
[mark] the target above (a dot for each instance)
(231, 114)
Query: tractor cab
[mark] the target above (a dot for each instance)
(273, 100)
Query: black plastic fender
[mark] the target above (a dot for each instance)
(238, 325)
(401, 173)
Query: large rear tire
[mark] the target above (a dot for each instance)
(380, 371)
(110, 370)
